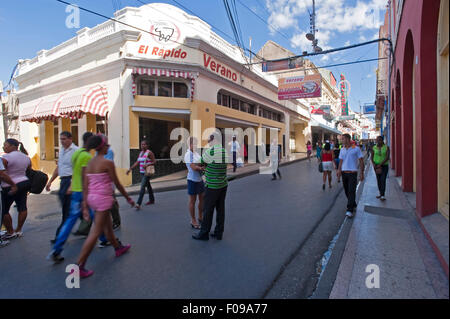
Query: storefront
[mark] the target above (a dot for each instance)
(134, 86)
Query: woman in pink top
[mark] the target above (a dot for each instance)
(16, 164)
(100, 175)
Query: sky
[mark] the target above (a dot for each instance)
(28, 26)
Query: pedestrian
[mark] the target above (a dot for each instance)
(64, 171)
(380, 163)
(146, 158)
(7, 179)
(195, 183)
(309, 150)
(350, 155)
(80, 160)
(318, 150)
(235, 149)
(336, 152)
(100, 175)
(327, 158)
(16, 163)
(215, 159)
(275, 157)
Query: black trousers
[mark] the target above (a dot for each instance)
(350, 181)
(234, 162)
(214, 199)
(381, 179)
(64, 199)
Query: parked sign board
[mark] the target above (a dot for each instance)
(300, 87)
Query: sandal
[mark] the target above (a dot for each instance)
(195, 226)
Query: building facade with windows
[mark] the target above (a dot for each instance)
(133, 85)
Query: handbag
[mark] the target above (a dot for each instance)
(150, 170)
(37, 179)
(320, 167)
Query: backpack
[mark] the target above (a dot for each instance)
(38, 180)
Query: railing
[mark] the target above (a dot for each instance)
(101, 31)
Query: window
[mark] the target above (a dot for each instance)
(74, 131)
(225, 100)
(235, 103)
(56, 138)
(180, 90)
(244, 107)
(251, 109)
(219, 99)
(147, 87)
(164, 88)
(100, 124)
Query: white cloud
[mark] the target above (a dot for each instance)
(332, 16)
(369, 75)
(347, 43)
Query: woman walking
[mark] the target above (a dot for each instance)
(380, 163)
(336, 152)
(100, 174)
(146, 158)
(327, 157)
(16, 164)
(309, 150)
(318, 150)
(196, 187)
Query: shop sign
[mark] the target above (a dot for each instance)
(300, 87)
(219, 68)
(286, 64)
(370, 109)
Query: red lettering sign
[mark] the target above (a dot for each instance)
(218, 68)
(164, 53)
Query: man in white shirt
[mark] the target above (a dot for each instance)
(64, 171)
(4, 177)
(234, 149)
(196, 186)
(349, 157)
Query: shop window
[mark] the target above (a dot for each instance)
(100, 124)
(74, 131)
(180, 90)
(56, 138)
(147, 87)
(219, 99)
(165, 89)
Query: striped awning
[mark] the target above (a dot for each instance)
(75, 103)
(71, 104)
(167, 73)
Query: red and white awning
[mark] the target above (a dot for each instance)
(71, 104)
(167, 73)
(92, 100)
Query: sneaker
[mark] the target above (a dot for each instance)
(3, 243)
(379, 196)
(122, 250)
(116, 227)
(9, 236)
(84, 273)
(349, 214)
(19, 234)
(56, 258)
(104, 244)
(150, 202)
(383, 198)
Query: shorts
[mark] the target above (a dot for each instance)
(327, 166)
(195, 188)
(20, 198)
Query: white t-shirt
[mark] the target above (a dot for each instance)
(350, 158)
(192, 157)
(234, 146)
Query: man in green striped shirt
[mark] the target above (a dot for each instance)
(215, 159)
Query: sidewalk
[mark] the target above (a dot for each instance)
(177, 180)
(387, 234)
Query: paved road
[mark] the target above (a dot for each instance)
(266, 222)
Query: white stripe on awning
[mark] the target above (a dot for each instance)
(230, 119)
(159, 110)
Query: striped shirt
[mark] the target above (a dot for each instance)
(215, 159)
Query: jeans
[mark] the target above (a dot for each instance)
(381, 179)
(74, 214)
(64, 199)
(350, 181)
(145, 183)
(214, 198)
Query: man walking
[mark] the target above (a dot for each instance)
(6, 178)
(349, 157)
(215, 159)
(380, 163)
(80, 160)
(275, 158)
(235, 149)
(64, 171)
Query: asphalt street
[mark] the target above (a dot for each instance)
(267, 223)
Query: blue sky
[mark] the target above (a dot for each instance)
(28, 26)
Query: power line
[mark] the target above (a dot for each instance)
(259, 17)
